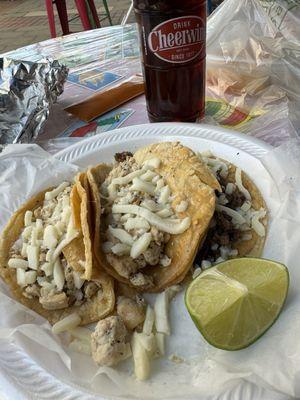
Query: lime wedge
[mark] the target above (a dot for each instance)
(236, 302)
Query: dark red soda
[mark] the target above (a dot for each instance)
(172, 38)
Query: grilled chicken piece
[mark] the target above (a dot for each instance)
(108, 344)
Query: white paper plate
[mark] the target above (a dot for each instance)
(20, 377)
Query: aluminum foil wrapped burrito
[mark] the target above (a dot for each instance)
(27, 91)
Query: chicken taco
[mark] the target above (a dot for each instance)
(46, 256)
(239, 225)
(152, 210)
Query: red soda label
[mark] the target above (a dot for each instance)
(178, 40)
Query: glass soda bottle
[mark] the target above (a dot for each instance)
(172, 38)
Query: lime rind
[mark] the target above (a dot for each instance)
(244, 319)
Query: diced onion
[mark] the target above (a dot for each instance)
(26, 234)
(182, 206)
(164, 195)
(136, 223)
(49, 255)
(233, 252)
(47, 268)
(160, 184)
(165, 261)
(219, 260)
(121, 235)
(239, 183)
(205, 264)
(33, 256)
(160, 342)
(58, 275)
(28, 218)
(34, 236)
(230, 187)
(224, 252)
(161, 313)
(152, 163)
(17, 263)
(140, 245)
(246, 206)
(124, 180)
(121, 249)
(78, 282)
(222, 199)
(149, 321)
(217, 165)
(156, 179)
(197, 272)
(24, 250)
(55, 192)
(172, 226)
(67, 323)
(258, 226)
(148, 342)
(50, 237)
(30, 277)
(238, 218)
(80, 346)
(21, 277)
(39, 224)
(140, 358)
(247, 236)
(142, 186)
(80, 333)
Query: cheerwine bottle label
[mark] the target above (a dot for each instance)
(178, 40)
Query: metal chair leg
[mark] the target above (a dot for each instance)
(125, 19)
(82, 11)
(94, 13)
(51, 19)
(63, 15)
(107, 11)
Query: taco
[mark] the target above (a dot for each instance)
(46, 256)
(152, 210)
(239, 225)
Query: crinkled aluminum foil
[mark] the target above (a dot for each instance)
(27, 91)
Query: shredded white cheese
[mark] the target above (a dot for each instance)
(172, 226)
(124, 180)
(237, 218)
(121, 249)
(140, 245)
(17, 263)
(55, 192)
(152, 163)
(239, 183)
(142, 186)
(121, 235)
(28, 218)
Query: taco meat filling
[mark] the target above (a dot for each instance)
(37, 256)
(234, 218)
(138, 218)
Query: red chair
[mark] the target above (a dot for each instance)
(82, 8)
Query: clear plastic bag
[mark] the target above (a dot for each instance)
(253, 63)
